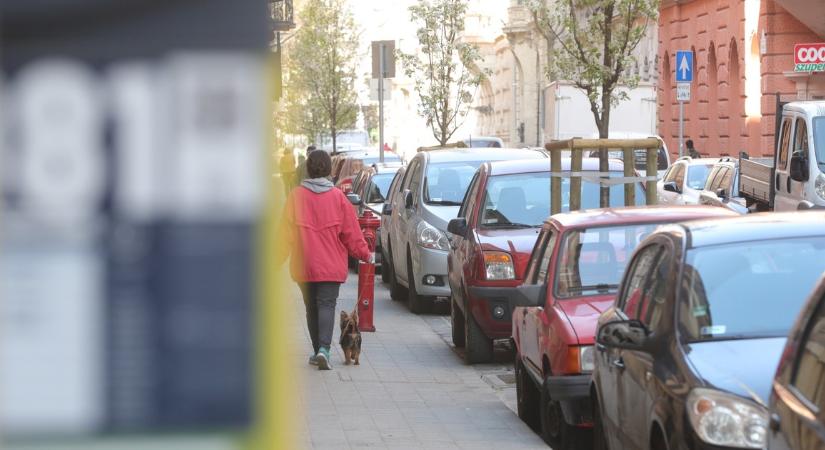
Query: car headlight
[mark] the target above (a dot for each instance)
(587, 358)
(819, 186)
(431, 237)
(499, 266)
(726, 420)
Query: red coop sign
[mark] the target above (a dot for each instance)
(809, 57)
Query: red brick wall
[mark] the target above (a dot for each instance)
(715, 117)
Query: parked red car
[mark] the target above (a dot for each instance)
(572, 277)
(493, 235)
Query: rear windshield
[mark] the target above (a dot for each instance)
(747, 290)
(592, 261)
(697, 175)
(523, 200)
(446, 183)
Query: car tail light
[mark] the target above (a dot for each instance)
(499, 266)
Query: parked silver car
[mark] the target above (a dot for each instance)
(430, 195)
(722, 187)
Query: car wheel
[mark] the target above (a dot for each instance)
(527, 396)
(397, 292)
(457, 322)
(599, 436)
(478, 348)
(414, 301)
(554, 430)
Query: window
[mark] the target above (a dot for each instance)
(415, 181)
(819, 141)
(671, 173)
(809, 374)
(801, 137)
(697, 175)
(446, 183)
(408, 176)
(679, 176)
(727, 182)
(516, 200)
(635, 279)
(546, 256)
(592, 261)
(731, 290)
(783, 146)
(711, 184)
(652, 310)
(469, 199)
(535, 257)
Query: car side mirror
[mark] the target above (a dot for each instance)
(626, 334)
(458, 226)
(721, 193)
(355, 199)
(386, 210)
(670, 186)
(799, 167)
(408, 199)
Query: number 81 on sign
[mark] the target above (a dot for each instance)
(683, 92)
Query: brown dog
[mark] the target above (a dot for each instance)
(350, 336)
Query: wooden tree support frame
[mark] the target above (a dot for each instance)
(458, 144)
(577, 147)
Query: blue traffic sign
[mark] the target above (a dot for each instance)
(684, 66)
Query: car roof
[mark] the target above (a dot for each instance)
(812, 108)
(480, 154)
(755, 227)
(699, 161)
(541, 165)
(636, 214)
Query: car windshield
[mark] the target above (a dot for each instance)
(819, 141)
(748, 289)
(592, 261)
(446, 183)
(697, 175)
(523, 200)
(379, 187)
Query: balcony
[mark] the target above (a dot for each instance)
(282, 15)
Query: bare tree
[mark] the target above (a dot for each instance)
(591, 46)
(444, 68)
(321, 70)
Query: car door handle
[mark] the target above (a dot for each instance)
(617, 363)
(600, 347)
(776, 182)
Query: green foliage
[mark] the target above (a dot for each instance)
(444, 68)
(320, 71)
(592, 44)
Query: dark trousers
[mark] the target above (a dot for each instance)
(319, 299)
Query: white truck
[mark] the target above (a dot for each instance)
(633, 118)
(795, 178)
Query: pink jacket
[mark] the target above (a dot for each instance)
(320, 229)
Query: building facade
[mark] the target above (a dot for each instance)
(743, 57)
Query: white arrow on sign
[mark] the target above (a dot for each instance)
(684, 67)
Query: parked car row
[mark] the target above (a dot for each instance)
(682, 351)
(632, 327)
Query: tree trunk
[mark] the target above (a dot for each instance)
(604, 165)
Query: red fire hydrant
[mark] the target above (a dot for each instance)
(366, 272)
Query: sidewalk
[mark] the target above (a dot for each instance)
(410, 391)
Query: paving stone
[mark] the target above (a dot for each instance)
(411, 390)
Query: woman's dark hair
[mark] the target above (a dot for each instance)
(319, 164)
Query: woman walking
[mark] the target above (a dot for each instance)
(320, 228)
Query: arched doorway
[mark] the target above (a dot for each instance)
(735, 104)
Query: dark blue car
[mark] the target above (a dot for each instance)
(686, 356)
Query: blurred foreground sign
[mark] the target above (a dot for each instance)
(132, 180)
